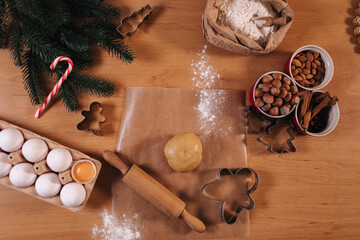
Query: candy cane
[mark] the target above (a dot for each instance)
(58, 84)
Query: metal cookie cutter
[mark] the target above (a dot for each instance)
(289, 141)
(253, 118)
(231, 218)
(130, 24)
(93, 116)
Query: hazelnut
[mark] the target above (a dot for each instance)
(284, 110)
(268, 98)
(258, 92)
(278, 102)
(274, 111)
(275, 91)
(293, 90)
(259, 102)
(288, 97)
(266, 108)
(295, 100)
(277, 76)
(283, 92)
(267, 78)
(276, 83)
(267, 87)
(287, 81)
(287, 87)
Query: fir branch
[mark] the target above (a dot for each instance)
(117, 48)
(69, 97)
(33, 82)
(93, 9)
(75, 42)
(16, 44)
(84, 83)
(3, 24)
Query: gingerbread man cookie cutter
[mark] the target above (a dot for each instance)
(90, 119)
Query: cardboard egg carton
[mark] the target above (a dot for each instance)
(51, 144)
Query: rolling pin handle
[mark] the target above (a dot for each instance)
(115, 161)
(193, 222)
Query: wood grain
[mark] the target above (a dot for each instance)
(311, 194)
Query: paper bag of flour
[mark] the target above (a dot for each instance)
(235, 41)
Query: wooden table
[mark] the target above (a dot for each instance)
(311, 194)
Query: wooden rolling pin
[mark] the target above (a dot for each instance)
(154, 192)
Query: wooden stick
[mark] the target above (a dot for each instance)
(305, 104)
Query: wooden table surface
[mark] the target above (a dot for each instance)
(311, 194)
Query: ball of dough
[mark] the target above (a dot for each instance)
(34, 150)
(11, 139)
(183, 152)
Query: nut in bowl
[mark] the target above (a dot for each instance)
(317, 114)
(274, 95)
(311, 67)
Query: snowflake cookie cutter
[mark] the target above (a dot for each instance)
(90, 119)
(127, 28)
(254, 178)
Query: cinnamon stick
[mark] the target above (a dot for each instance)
(307, 119)
(333, 100)
(320, 106)
(319, 98)
(305, 104)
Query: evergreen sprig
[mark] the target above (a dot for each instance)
(37, 31)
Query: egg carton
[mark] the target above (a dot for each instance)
(51, 144)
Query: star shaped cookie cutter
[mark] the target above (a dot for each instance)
(225, 171)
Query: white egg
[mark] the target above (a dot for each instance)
(34, 150)
(59, 159)
(22, 175)
(48, 185)
(73, 194)
(11, 139)
(5, 165)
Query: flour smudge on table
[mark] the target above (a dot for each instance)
(206, 78)
(114, 228)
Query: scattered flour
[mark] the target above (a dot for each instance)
(116, 229)
(240, 16)
(211, 103)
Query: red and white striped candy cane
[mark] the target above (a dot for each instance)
(58, 84)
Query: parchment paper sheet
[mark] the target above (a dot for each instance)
(151, 117)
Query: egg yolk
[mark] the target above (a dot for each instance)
(83, 172)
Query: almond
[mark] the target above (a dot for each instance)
(309, 76)
(303, 76)
(306, 71)
(317, 62)
(292, 67)
(316, 55)
(296, 62)
(295, 72)
(313, 71)
(308, 64)
(302, 59)
(310, 56)
(303, 65)
(306, 81)
(298, 78)
(321, 69)
(313, 65)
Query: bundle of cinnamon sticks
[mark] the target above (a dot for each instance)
(311, 106)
